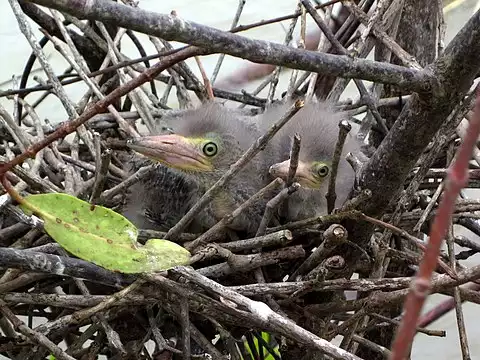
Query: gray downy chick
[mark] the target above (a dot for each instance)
(161, 198)
(317, 124)
(205, 142)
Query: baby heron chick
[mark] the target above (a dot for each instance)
(317, 124)
(205, 142)
(161, 198)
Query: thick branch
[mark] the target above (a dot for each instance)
(173, 28)
(422, 116)
(59, 265)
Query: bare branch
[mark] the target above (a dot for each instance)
(210, 40)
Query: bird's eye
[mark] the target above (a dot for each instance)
(323, 170)
(210, 149)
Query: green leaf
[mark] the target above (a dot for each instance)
(265, 336)
(102, 236)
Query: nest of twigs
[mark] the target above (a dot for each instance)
(282, 294)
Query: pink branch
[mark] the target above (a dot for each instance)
(457, 178)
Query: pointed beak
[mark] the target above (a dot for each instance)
(172, 150)
(303, 175)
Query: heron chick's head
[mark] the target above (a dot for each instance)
(309, 174)
(318, 127)
(205, 142)
(176, 151)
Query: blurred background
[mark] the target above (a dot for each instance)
(219, 14)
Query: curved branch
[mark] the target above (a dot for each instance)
(421, 118)
(211, 40)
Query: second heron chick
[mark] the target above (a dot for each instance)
(205, 142)
(318, 126)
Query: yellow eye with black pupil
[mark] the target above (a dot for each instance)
(210, 149)
(323, 171)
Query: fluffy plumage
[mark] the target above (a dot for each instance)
(160, 199)
(179, 188)
(317, 124)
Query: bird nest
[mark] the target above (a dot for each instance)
(329, 286)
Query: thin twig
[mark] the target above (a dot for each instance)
(367, 97)
(334, 236)
(124, 185)
(216, 70)
(462, 333)
(99, 106)
(234, 169)
(206, 82)
(36, 336)
(185, 322)
(100, 176)
(263, 312)
(83, 314)
(215, 231)
(415, 241)
(292, 170)
(272, 206)
(294, 154)
(429, 207)
(405, 58)
(278, 69)
(344, 129)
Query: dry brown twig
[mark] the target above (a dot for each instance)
(274, 253)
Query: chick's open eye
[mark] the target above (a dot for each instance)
(210, 149)
(323, 170)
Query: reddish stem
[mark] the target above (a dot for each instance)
(11, 190)
(457, 178)
(101, 105)
(443, 308)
